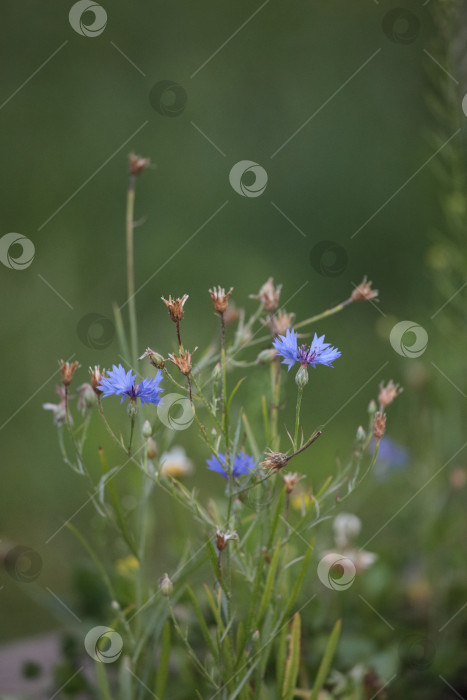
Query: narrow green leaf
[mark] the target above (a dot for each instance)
(281, 655)
(325, 664)
(121, 335)
(267, 431)
(237, 387)
(293, 660)
(251, 437)
(268, 587)
(276, 518)
(202, 624)
(300, 578)
(163, 666)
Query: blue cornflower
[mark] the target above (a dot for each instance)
(123, 384)
(391, 458)
(319, 352)
(242, 464)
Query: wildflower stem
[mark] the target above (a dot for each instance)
(130, 206)
(297, 418)
(132, 430)
(276, 383)
(324, 314)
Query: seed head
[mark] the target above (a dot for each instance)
(96, 378)
(388, 393)
(280, 323)
(268, 295)
(220, 299)
(137, 164)
(175, 307)
(223, 537)
(364, 292)
(379, 425)
(182, 361)
(290, 480)
(275, 461)
(68, 371)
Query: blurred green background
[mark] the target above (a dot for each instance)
(66, 134)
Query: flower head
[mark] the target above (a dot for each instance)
(175, 307)
(242, 464)
(279, 323)
(290, 481)
(388, 393)
(182, 361)
(268, 295)
(275, 461)
(176, 463)
(220, 299)
(59, 409)
(137, 164)
(121, 383)
(319, 352)
(364, 292)
(222, 538)
(154, 358)
(68, 370)
(96, 378)
(379, 425)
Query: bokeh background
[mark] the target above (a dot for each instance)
(344, 105)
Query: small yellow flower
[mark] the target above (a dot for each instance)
(176, 463)
(126, 566)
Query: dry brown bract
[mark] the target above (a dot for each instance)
(379, 425)
(96, 378)
(275, 461)
(175, 307)
(68, 371)
(182, 361)
(220, 300)
(388, 393)
(279, 323)
(268, 295)
(364, 292)
(137, 164)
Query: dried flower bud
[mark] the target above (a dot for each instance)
(166, 586)
(301, 378)
(96, 378)
(68, 371)
(223, 537)
(220, 299)
(151, 448)
(364, 292)
(86, 398)
(183, 361)
(147, 429)
(155, 359)
(388, 393)
(280, 323)
(290, 480)
(372, 408)
(268, 296)
(175, 307)
(137, 164)
(379, 425)
(275, 461)
(216, 372)
(232, 314)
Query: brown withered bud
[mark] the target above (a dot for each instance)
(96, 378)
(137, 164)
(364, 292)
(232, 314)
(290, 481)
(151, 448)
(155, 359)
(223, 537)
(280, 323)
(68, 371)
(379, 425)
(275, 461)
(388, 393)
(175, 307)
(268, 295)
(183, 360)
(220, 299)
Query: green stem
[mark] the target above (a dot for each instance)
(324, 314)
(132, 430)
(130, 206)
(276, 386)
(297, 417)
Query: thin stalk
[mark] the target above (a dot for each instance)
(130, 207)
(324, 314)
(276, 386)
(297, 417)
